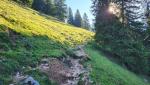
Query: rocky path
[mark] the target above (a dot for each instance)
(67, 70)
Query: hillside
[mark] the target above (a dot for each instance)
(28, 22)
(27, 37)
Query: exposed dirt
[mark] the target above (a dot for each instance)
(64, 71)
(68, 70)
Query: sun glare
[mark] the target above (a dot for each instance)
(114, 9)
(111, 9)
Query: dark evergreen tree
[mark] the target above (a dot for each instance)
(24, 2)
(147, 14)
(44, 6)
(70, 16)
(85, 21)
(78, 19)
(120, 40)
(50, 8)
(38, 5)
(131, 13)
(61, 9)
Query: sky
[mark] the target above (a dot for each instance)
(84, 6)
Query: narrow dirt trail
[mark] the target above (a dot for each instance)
(67, 70)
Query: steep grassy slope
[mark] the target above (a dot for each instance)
(27, 36)
(20, 53)
(106, 72)
(29, 22)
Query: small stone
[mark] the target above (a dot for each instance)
(31, 81)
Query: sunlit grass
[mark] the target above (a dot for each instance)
(29, 22)
(27, 36)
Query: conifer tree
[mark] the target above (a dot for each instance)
(60, 9)
(85, 23)
(50, 8)
(78, 19)
(38, 5)
(24, 2)
(44, 6)
(70, 16)
(125, 42)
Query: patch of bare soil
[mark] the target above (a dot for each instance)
(68, 70)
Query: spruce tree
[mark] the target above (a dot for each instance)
(44, 6)
(50, 8)
(147, 14)
(131, 13)
(24, 2)
(78, 19)
(70, 16)
(60, 9)
(86, 23)
(38, 5)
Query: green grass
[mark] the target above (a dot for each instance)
(28, 22)
(105, 72)
(41, 78)
(27, 36)
(17, 51)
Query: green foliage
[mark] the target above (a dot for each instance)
(25, 2)
(120, 40)
(50, 8)
(38, 5)
(78, 19)
(29, 23)
(3, 35)
(106, 72)
(40, 77)
(124, 43)
(28, 51)
(3, 39)
(85, 22)
(60, 9)
(70, 16)
(44, 6)
(26, 37)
